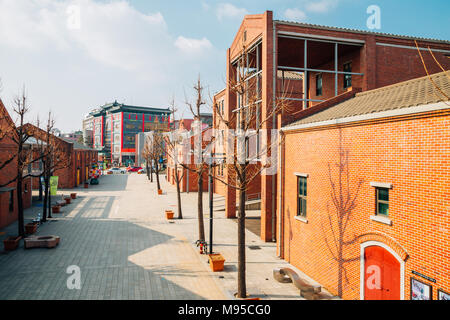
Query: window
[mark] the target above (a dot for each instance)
(301, 201)
(382, 196)
(11, 201)
(347, 77)
(319, 84)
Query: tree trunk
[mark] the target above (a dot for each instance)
(201, 226)
(151, 172)
(40, 189)
(242, 287)
(157, 176)
(44, 205)
(20, 224)
(147, 169)
(177, 179)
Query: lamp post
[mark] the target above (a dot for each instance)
(210, 209)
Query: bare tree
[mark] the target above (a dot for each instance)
(54, 155)
(153, 152)
(172, 143)
(199, 167)
(23, 151)
(243, 130)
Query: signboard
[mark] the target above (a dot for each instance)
(53, 185)
(423, 276)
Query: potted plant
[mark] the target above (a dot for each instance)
(169, 214)
(31, 227)
(56, 209)
(68, 199)
(11, 243)
(73, 195)
(216, 262)
(159, 191)
(86, 184)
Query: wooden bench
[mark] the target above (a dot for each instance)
(307, 290)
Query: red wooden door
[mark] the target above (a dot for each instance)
(381, 274)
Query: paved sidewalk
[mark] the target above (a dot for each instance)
(117, 234)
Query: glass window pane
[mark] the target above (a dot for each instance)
(383, 208)
(383, 194)
(304, 207)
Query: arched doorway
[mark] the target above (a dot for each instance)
(382, 273)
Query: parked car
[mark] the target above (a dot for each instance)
(115, 170)
(133, 169)
(142, 171)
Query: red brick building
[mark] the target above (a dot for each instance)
(189, 178)
(332, 63)
(364, 191)
(80, 164)
(8, 193)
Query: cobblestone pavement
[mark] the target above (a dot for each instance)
(116, 232)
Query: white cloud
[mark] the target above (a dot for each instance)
(117, 53)
(227, 10)
(295, 14)
(321, 6)
(192, 45)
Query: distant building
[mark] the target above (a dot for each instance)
(114, 127)
(88, 133)
(72, 136)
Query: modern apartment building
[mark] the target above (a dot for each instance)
(115, 126)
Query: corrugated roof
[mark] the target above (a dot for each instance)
(316, 26)
(420, 91)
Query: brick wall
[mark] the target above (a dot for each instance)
(411, 154)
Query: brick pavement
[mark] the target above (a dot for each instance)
(117, 234)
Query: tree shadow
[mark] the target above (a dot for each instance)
(344, 193)
(102, 249)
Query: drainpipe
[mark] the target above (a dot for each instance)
(280, 194)
(274, 125)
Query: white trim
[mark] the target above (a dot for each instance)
(302, 219)
(314, 36)
(410, 47)
(381, 219)
(371, 116)
(366, 244)
(298, 174)
(381, 185)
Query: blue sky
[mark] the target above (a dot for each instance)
(143, 52)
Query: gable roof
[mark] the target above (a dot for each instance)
(416, 92)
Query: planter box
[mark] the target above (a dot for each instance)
(169, 214)
(73, 195)
(56, 209)
(11, 243)
(216, 262)
(41, 242)
(68, 200)
(159, 191)
(61, 203)
(31, 228)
